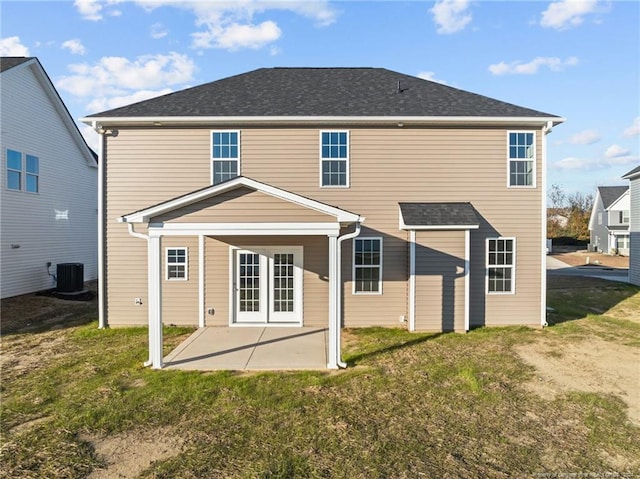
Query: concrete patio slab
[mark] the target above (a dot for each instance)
(259, 349)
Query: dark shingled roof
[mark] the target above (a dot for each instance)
(10, 62)
(633, 172)
(322, 92)
(439, 214)
(609, 194)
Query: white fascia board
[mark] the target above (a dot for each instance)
(243, 229)
(145, 215)
(160, 121)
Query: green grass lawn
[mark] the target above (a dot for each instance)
(410, 405)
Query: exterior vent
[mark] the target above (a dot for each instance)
(70, 277)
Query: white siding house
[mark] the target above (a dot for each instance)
(634, 227)
(48, 183)
(609, 222)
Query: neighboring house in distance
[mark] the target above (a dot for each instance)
(323, 197)
(634, 225)
(49, 176)
(609, 222)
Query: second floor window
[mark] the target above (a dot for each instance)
(624, 217)
(23, 172)
(225, 155)
(334, 158)
(522, 154)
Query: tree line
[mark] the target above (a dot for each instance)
(568, 214)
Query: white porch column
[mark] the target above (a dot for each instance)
(412, 280)
(201, 320)
(467, 243)
(154, 274)
(334, 314)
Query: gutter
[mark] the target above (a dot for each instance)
(342, 238)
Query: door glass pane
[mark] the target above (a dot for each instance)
(249, 282)
(283, 282)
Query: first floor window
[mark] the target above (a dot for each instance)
(225, 155)
(176, 264)
(622, 242)
(521, 159)
(501, 265)
(367, 265)
(23, 172)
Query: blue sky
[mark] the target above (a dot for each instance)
(579, 59)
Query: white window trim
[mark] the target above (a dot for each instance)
(186, 263)
(347, 159)
(353, 266)
(513, 267)
(534, 160)
(22, 171)
(237, 159)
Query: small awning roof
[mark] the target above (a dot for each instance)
(438, 216)
(144, 215)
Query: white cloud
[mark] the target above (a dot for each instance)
(532, 67)
(93, 9)
(116, 81)
(616, 151)
(104, 103)
(231, 25)
(585, 137)
(11, 47)
(75, 46)
(158, 31)
(235, 36)
(590, 164)
(633, 130)
(431, 76)
(451, 16)
(116, 75)
(564, 14)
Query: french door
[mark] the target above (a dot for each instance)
(267, 285)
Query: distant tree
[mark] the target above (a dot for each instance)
(556, 197)
(568, 215)
(579, 206)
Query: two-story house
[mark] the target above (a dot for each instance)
(49, 180)
(634, 224)
(322, 197)
(609, 221)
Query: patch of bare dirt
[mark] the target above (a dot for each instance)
(582, 257)
(595, 365)
(127, 455)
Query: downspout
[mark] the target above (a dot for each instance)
(101, 222)
(342, 238)
(546, 129)
(135, 234)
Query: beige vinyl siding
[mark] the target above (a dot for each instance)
(180, 297)
(387, 166)
(315, 277)
(440, 280)
(246, 205)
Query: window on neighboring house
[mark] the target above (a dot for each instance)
(334, 155)
(501, 265)
(23, 175)
(622, 242)
(599, 218)
(367, 266)
(522, 159)
(624, 217)
(176, 264)
(225, 155)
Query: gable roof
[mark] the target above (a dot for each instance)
(422, 216)
(610, 194)
(144, 215)
(323, 92)
(632, 173)
(34, 65)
